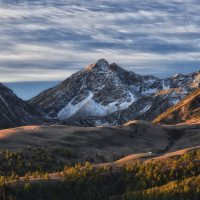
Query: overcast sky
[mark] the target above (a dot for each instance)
(46, 41)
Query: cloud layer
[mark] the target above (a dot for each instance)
(49, 40)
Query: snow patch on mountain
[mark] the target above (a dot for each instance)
(165, 86)
(174, 101)
(88, 107)
(149, 91)
(145, 109)
(71, 109)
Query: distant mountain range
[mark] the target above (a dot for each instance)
(101, 94)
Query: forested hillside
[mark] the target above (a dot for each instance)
(176, 177)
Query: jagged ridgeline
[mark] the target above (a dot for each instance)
(101, 94)
(106, 94)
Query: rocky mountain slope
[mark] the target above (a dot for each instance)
(104, 94)
(14, 111)
(98, 90)
(187, 110)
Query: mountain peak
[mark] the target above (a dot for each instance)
(101, 65)
(102, 61)
(197, 73)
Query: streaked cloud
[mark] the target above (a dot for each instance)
(44, 40)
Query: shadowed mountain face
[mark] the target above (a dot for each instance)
(104, 94)
(13, 111)
(187, 110)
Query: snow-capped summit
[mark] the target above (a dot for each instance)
(105, 93)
